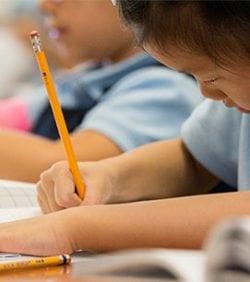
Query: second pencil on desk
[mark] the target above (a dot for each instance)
(23, 263)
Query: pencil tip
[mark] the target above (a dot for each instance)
(33, 33)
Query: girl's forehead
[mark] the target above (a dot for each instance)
(182, 60)
(189, 61)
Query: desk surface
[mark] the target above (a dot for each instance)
(64, 274)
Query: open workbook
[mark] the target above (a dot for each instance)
(17, 200)
(176, 265)
(14, 194)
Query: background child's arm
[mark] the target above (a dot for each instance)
(24, 156)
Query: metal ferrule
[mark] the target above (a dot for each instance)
(36, 43)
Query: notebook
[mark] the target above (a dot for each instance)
(12, 214)
(175, 265)
(14, 194)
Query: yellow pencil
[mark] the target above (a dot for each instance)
(34, 262)
(57, 112)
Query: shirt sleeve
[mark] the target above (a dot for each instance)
(14, 114)
(212, 134)
(147, 105)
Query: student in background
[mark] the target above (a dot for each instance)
(118, 99)
(17, 68)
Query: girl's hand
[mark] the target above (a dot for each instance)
(56, 188)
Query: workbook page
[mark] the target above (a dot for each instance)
(179, 265)
(12, 214)
(14, 194)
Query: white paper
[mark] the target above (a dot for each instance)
(14, 194)
(184, 265)
(12, 214)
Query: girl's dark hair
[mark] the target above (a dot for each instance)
(219, 29)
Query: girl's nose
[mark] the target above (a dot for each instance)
(228, 103)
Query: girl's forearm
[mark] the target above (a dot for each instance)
(159, 170)
(175, 223)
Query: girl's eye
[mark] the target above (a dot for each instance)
(210, 81)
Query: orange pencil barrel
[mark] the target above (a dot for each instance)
(34, 263)
(58, 114)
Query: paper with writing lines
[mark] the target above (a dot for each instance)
(14, 194)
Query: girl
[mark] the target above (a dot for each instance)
(209, 39)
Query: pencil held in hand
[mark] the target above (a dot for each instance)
(57, 112)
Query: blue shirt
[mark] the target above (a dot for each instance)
(133, 102)
(219, 138)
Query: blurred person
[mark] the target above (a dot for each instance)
(18, 68)
(118, 99)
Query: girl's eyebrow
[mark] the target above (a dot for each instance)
(183, 71)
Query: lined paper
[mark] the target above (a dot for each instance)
(7, 215)
(14, 194)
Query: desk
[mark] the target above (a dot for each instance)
(64, 274)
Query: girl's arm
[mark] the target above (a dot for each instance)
(160, 170)
(173, 223)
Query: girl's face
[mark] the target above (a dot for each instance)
(87, 29)
(231, 84)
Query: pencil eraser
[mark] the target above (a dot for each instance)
(33, 33)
